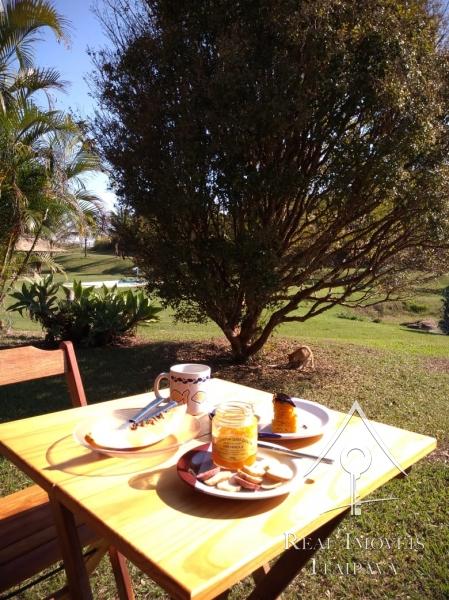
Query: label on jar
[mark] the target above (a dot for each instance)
(236, 445)
(235, 448)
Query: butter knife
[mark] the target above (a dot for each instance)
(297, 453)
(143, 413)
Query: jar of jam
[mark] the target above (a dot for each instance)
(234, 435)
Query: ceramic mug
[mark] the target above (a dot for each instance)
(188, 385)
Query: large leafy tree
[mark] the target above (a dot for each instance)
(278, 157)
(43, 154)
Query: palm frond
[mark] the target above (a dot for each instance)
(83, 162)
(46, 259)
(36, 123)
(31, 220)
(21, 22)
(88, 202)
(36, 79)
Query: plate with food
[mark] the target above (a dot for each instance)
(267, 477)
(293, 419)
(113, 434)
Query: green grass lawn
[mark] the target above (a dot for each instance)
(400, 377)
(96, 266)
(387, 335)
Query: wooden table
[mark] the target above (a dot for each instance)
(193, 545)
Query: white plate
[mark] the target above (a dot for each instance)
(110, 434)
(312, 420)
(191, 461)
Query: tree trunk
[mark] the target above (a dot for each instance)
(21, 269)
(6, 263)
(248, 340)
(238, 349)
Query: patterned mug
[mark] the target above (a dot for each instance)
(188, 385)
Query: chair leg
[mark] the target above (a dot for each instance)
(121, 574)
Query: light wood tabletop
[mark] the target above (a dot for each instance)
(196, 546)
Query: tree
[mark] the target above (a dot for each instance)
(21, 23)
(24, 180)
(43, 153)
(278, 157)
(70, 157)
(120, 230)
(444, 323)
(43, 190)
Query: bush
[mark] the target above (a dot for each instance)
(416, 307)
(444, 323)
(350, 316)
(85, 316)
(103, 244)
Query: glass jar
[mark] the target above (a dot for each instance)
(234, 435)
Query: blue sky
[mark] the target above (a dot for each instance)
(74, 65)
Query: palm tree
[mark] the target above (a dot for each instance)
(44, 159)
(21, 122)
(42, 153)
(21, 25)
(73, 206)
(24, 183)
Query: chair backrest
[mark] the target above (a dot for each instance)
(27, 363)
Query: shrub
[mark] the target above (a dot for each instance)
(103, 244)
(85, 315)
(416, 307)
(350, 316)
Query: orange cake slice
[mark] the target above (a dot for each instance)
(284, 417)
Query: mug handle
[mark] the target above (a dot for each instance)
(157, 382)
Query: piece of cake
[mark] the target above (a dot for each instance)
(284, 414)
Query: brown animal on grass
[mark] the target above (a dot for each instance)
(301, 358)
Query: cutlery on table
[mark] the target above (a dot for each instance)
(150, 411)
(297, 453)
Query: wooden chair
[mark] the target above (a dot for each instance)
(28, 539)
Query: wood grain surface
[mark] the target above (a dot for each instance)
(196, 546)
(27, 363)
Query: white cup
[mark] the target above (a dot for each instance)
(188, 385)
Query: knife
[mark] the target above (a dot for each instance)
(268, 434)
(298, 454)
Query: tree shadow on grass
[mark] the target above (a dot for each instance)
(421, 331)
(119, 270)
(107, 373)
(91, 267)
(118, 371)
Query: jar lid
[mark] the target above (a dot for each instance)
(234, 410)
